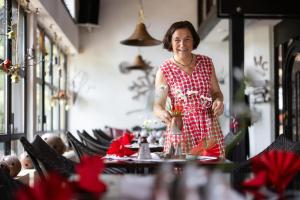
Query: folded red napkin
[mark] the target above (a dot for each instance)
(206, 147)
(274, 170)
(89, 169)
(53, 187)
(117, 147)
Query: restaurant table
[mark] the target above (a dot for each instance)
(148, 166)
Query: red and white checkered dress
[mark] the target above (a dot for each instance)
(198, 120)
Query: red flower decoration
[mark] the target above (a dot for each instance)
(177, 110)
(206, 147)
(273, 169)
(89, 169)
(6, 65)
(54, 187)
(117, 147)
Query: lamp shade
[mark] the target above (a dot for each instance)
(139, 64)
(140, 37)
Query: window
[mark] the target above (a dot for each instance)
(51, 116)
(12, 88)
(2, 74)
(39, 80)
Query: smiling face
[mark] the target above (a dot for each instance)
(182, 43)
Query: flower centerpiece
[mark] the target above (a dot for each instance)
(177, 121)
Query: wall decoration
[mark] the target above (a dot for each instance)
(258, 84)
(143, 86)
(76, 84)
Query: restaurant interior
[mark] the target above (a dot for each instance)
(77, 91)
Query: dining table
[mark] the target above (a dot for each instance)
(147, 166)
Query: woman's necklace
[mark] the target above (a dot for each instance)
(177, 62)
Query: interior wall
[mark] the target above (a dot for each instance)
(103, 97)
(257, 43)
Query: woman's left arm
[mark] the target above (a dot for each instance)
(217, 95)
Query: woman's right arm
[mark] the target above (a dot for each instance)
(161, 94)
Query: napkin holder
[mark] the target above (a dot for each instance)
(144, 150)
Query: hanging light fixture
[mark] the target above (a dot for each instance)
(138, 64)
(140, 36)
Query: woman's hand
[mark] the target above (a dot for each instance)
(218, 107)
(165, 116)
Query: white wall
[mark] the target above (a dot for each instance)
(104, 99)
(257, 43)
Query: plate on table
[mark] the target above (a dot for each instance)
(207, 157)
(192, 157)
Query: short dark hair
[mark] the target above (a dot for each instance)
(167, 41)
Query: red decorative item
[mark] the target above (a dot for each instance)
(177, 111)
(177, 122)
(274, 170)
(6, 64)
(206, 147)
(89, 169)
(117, 147)
(54, 187)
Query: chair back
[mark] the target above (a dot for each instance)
(80, 148)
(9, 186)
(100, 135)
(46, 159)
(92, 143)
(89, 139)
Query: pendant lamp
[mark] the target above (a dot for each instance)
(139, 64)
(140, 36)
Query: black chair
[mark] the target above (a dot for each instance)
(79, 148)
(100, 135)
(92, 143)
(104, 144)
(9, 186)
(45, 158)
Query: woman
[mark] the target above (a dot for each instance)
(190, 83)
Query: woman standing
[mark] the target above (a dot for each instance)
(190, 82)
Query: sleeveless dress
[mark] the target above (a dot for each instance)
(192, 92)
